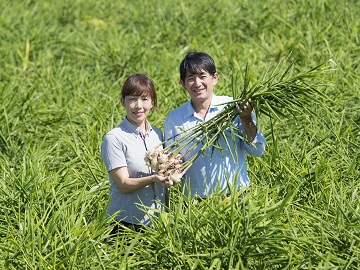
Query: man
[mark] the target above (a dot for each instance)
(214, 169)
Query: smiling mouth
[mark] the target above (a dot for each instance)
(199, 90)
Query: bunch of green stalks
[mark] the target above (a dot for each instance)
(278, 94)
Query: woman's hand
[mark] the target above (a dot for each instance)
(162, 181)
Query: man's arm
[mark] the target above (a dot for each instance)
(247, 122)
(255, 139)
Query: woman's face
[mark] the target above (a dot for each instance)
(137, 108)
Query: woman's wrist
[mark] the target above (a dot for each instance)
(153, 178)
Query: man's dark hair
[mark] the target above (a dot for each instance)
(195, 62)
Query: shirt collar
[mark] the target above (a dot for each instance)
(214, 103)
(135, 129)
(190, 110)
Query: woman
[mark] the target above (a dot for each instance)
(134, 189)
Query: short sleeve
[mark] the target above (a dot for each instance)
(112, 153)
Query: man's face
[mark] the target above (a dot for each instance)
(200, 85)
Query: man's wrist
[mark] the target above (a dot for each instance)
(246, 118)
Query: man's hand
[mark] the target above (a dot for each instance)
(249, 127)
(244, 109)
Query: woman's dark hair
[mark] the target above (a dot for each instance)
(194, 62)
(139, 85)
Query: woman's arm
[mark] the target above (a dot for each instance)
(129, 185)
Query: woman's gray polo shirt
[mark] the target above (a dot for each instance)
(122, 146)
